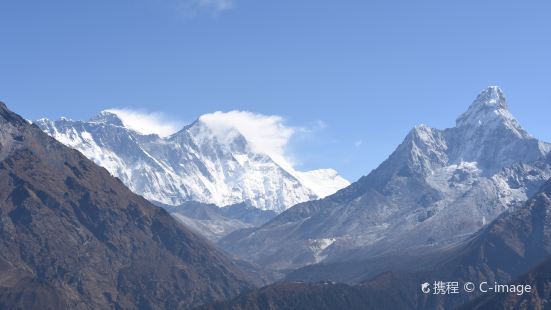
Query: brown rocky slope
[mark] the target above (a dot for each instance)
(74, 237)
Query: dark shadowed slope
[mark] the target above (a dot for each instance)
(540, 281)
(315, 296)
(508, 247)
(73, 237)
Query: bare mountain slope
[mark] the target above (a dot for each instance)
(74, 237)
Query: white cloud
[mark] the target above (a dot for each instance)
(218, 5)
(358, 143)
(312, 127)
(148, 122)
(193, 7)
(266, 134)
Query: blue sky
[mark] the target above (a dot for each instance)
(356, 75)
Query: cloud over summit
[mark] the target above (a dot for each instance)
(148, 122)
(267, 134)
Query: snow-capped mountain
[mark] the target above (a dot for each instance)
(193, 164)
(438, 187)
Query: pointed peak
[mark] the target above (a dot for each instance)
(488, 106)
(422, 127)
(422, 131)
(493, 97)
(188, 127)
(107, 117)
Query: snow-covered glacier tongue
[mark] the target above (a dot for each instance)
(437, 187)
(192, 164)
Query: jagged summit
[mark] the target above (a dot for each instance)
(492, 96)
(489, 107)
(487, 133)
(185, 129)
(201, 130)
(107, 117)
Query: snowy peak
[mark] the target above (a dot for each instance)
(492, 96)
(486, 134)
(108, 118)
(490, 108)
(491, 136)
(229, 138)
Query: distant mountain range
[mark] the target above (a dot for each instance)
(436, 189)
(74, 237)
(214, 222)
(194, 164)
(468, 203)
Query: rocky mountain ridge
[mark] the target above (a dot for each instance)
(438, 187)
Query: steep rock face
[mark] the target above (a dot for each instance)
(74, 237)
(438, 187)
(193, 164)
(539, 280)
